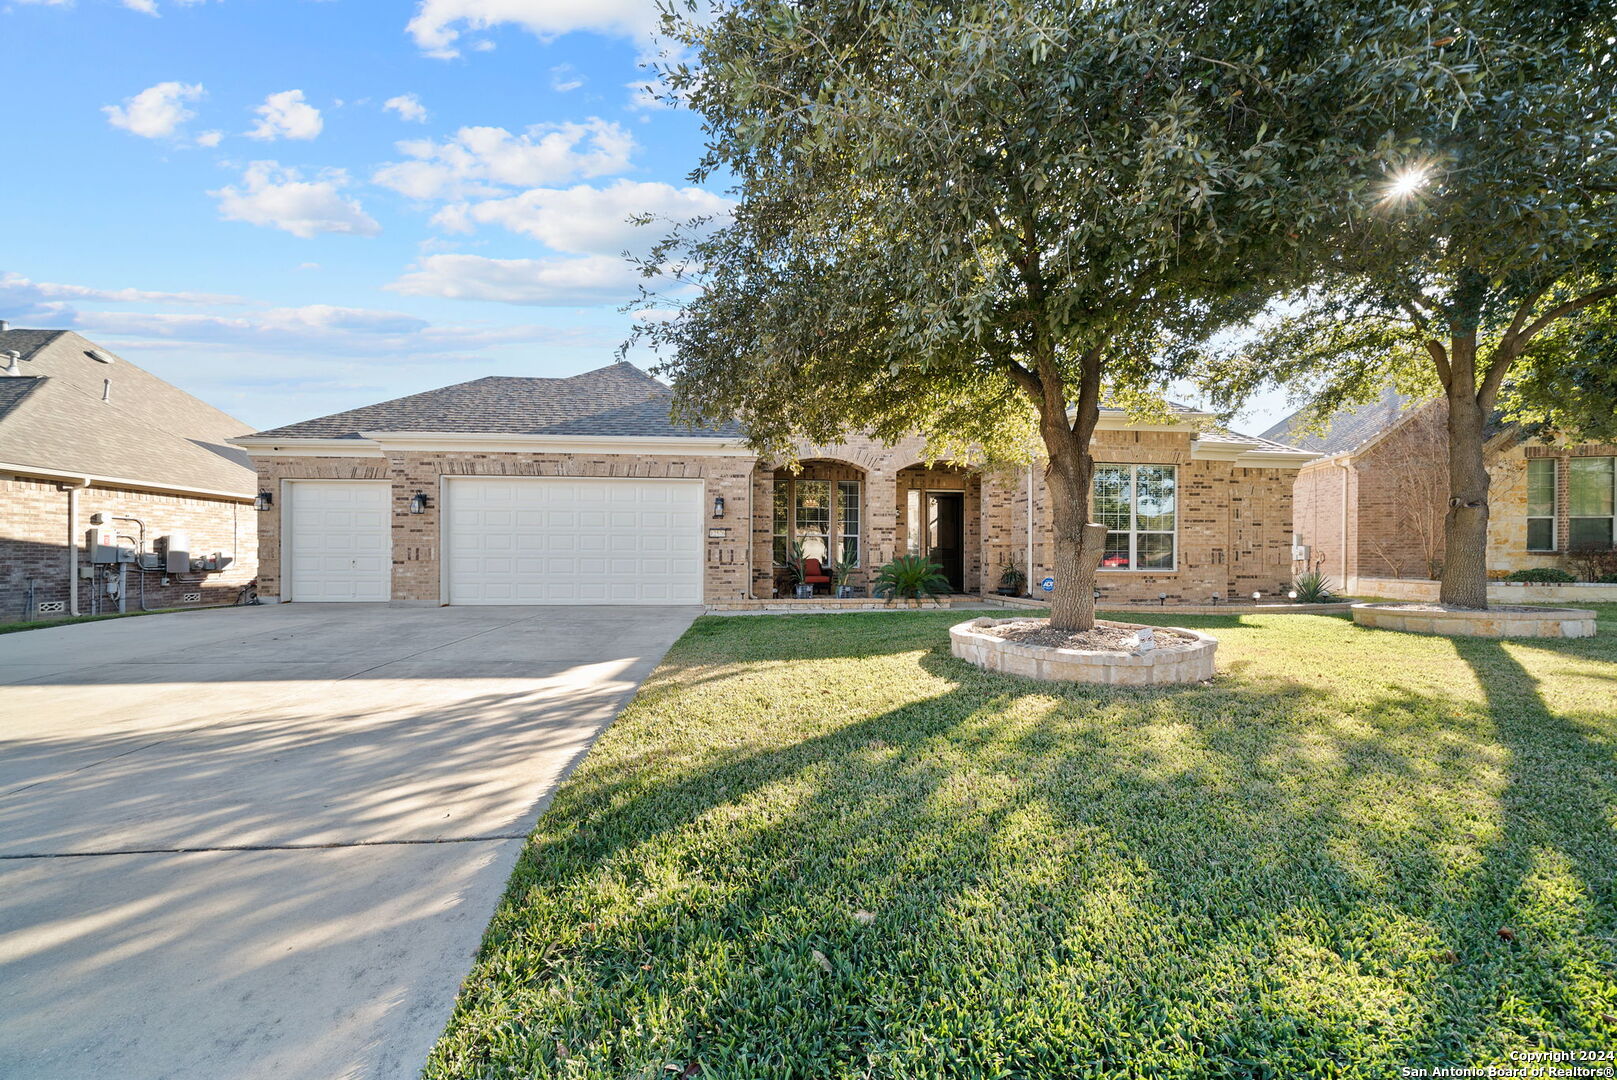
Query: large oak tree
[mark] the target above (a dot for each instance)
(1490, 252)
(980, 220)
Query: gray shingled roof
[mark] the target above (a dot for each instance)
(616, 400)
(53, 417)
(1255, 442)
(1349, 429)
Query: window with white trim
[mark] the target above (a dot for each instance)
(1138, 505)
(848, 522)
(1591, 495)
(1541, 504)
(783, 520)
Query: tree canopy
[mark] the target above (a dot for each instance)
(976, 221)
(1497, 225)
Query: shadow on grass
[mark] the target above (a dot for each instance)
(999, 877)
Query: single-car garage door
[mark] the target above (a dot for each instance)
(340, 542)
(573, 540)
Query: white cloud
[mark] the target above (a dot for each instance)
(438, 24)
(282, 199)
(564, 78)
(286, 115)
(570, 282)
(481, 160)
(157, 112)
(408, 106)
(145, 7)
(210, 138)
(18, 291)
(588, 220)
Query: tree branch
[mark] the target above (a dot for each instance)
(1594, 296)
(1517, 339)
(1440, 358)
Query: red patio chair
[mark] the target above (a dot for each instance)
(814, 573)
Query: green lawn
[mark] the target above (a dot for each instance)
(819, 846)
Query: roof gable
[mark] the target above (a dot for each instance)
(619, 400)
(83, 414)
(1350, 429)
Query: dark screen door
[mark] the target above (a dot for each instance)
(945, 530)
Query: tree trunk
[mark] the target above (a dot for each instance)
(1079, 543)
(1465, 526)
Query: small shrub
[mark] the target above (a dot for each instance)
(909, 577)
(1593, 563)
(1543, 575)
(1011, 577)
(1313, 587)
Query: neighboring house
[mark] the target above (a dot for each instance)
(86, 434)
(581, 490)
(1373, 505)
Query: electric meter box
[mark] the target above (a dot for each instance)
(176, 550)
(104, 546)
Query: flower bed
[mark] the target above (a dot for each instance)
(1190, 661)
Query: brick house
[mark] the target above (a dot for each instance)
(89, 441)
(581, 490)
(1372, 505)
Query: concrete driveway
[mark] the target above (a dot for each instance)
(264, 842)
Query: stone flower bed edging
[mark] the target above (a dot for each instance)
(1493, 623)
(975, 643)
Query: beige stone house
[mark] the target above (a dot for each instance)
(581, 490)
(105, 470)
(1372, 504)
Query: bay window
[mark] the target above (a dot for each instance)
(1137, 504)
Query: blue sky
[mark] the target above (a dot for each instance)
(291, 207)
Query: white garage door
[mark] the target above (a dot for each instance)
(564, 540)
(340, 540)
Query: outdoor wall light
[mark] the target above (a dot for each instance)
(718, 506)
(419, 503)
(263, 500)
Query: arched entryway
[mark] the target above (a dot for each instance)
(940, 516)
(819, 512)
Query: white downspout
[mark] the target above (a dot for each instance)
(73, 545)
(1030, 529)
(1346, 465)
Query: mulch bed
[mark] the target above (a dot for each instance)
(1105, 637)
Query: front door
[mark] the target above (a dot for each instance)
(946, 534)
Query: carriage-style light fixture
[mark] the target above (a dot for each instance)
(263, 500)
(718, 506)
(419, 503)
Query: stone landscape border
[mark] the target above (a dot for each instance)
(1490, 623)
(975, 642)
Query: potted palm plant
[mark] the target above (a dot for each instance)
(794, 573)
(1012, 578)
(842, 580)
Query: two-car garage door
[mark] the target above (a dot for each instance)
(572, 540)
(505, 540)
